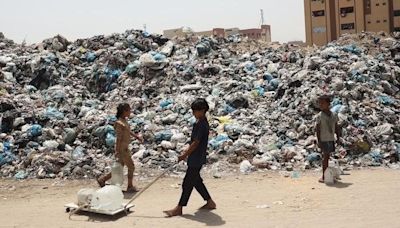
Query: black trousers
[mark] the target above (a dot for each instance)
(193, 179)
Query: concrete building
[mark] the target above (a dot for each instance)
(326, 20)
(179, 32)
(263, 33)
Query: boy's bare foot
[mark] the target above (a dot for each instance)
(321, 180)
(177, 211)
(210, 205)
(132, 190)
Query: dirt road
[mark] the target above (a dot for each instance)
(366, 198)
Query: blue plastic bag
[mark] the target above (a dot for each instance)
(159, 57)
(165, 103)
(268, 77)
(53, 113)
(274, 83)
(376, 156)
(163, 136)
(218, 141)
(78, 153)
(385, 100)
(90, 57)
(21, 175)
(228, 109)
(132, 68)
(336, 108)
(6, 156)
(110, 139)
(313, 157)
(261, 91)
(35, 130)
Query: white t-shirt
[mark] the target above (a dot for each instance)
(327, 126)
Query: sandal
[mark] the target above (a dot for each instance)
(100, 182)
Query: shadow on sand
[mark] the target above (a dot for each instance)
(209, 218)
(340, 185)
(97, 218)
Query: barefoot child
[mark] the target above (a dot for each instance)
(326, 127)
(122, 153)
(196, 154)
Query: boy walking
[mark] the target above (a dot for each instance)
(326, 127)
(196, 158)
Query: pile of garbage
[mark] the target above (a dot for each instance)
(58, 101)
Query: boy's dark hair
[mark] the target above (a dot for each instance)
(200, 104)
(121, 108)
(326, 98)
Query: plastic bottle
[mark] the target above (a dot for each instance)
(117, 175)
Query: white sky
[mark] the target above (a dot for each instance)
(36, 20)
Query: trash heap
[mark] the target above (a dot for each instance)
(58, 101)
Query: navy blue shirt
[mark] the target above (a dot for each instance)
(200, 132)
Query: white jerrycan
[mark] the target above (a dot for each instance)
(117, 174)
(108, 198)
(329, 176)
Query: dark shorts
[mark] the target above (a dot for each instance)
(327, 147)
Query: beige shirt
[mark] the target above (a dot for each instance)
(327, 126)
(123, 132)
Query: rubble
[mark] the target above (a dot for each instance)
(58, 101)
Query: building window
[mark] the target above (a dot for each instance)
(319, 29)
(377, 4)
(369, 22)
(378, 21)
(397, 29)
(319, 13)
(346, 10)
(384, 4)
(396, 13)
(384, 21)
(349, 26)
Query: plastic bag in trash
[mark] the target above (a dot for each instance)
(166, 103)
(78, 153)
(218, 141)
(90, 57)
(20, 175)
(385, 100)
(163, 136)
(110, 139)
(6, 156)
(35, 130)
(53, 113)
(132, 68)
(314, 157)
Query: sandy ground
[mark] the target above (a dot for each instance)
(365, 198)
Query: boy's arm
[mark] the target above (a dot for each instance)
(137, 136)
(338, 131)
(118, 141)
(189, 151)
(318, 130)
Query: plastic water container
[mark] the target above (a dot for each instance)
(108, 198)
(85, 196)
(117, 174)
(329, 176)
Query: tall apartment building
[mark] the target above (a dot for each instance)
(326, 20)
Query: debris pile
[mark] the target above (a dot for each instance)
(58, 101)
